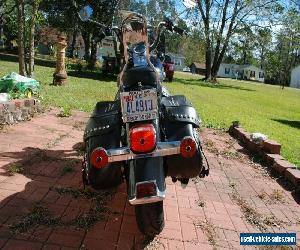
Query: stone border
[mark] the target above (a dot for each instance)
(270, 151)
(17, 110)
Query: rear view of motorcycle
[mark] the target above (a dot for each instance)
(145, 134)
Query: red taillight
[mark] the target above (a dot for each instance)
(99, 158)
(188, 147)
(142, 138)
(145, 189)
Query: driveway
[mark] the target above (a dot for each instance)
(43, 204)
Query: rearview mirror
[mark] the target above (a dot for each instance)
(85, 13)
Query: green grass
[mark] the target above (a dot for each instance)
(259, 107)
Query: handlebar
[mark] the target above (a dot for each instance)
(160, 30)
(179, 30)
(168, 24)
(107, 32)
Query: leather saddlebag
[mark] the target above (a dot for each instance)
(180, 119)
(103, 130)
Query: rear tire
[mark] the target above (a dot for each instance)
(150, 218)
(107, 177)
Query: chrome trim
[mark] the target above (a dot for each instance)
(160, 195)
(125, 154)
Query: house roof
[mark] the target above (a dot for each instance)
(175, 55)
(199, 65)
(241, 67)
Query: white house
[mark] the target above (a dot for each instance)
(245, 72)
(295, 78)
(178, 61)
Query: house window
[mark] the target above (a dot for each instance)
(227, 71)
(261, 74)
(252, 73)
(178, 62)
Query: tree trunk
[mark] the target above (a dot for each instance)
(21, 49)
(93, 58)
(31, 37)
(262, 58)
(244, 55)
(217, 64)
(1, 27)
(218, 43)
(87, 44)
(208, 61)
(219, 56)
(208, 53)
(73, 43)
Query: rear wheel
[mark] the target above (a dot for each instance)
(107, 177)
(150, 218)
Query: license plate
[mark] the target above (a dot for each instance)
(139, 105)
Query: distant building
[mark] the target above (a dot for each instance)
(295, 78)
(198, 68)
(178, 61)
(244, 72)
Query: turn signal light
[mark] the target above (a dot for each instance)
(145, 189)
(99, 158)
(188, 147)
(142, 138)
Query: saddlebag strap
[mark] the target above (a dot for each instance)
(106, 108)
(178, 109)
(175, 101)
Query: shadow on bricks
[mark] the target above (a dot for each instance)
(286, 185)
(43, 203)
(281, 180)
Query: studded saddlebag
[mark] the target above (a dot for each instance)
(103, 130)
(179, 120)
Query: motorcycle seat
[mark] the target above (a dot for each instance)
(146, 75)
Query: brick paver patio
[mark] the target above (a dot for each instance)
(43, 206)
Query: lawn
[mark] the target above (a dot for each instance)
(259, 107)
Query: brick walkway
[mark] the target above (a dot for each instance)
(43, 206)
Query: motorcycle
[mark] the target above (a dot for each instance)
(145, 134)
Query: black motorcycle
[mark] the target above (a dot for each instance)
(145, 134)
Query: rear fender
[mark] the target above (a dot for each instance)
(147, 170)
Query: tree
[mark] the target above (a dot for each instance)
(221, 19)
(174, 41)
(286, 53)
(264, 42)
(243, 43)
(10, 27)
(21, 36)
(6, 8)
(194, 47)
(63, 16)
(34, 12)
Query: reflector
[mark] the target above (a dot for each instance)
(99, 158)
(188, 147)
(142, 138)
